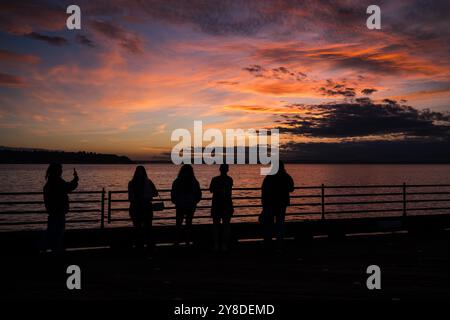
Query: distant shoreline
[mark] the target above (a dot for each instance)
(45, 157)
(40, 156)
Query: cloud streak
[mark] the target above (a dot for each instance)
(53, 40)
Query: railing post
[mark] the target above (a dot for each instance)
(323, 201)
(109, 207)
(102, 218)
(404, 199)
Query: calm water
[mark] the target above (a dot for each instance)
(28, 178)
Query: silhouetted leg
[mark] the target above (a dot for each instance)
(189, 216)
(179, 223)
(55, 230)
(138, 241)
(226, 233)
(268, 226)
(281, 214)
(50, 237)
(216, 233)
(148, 221)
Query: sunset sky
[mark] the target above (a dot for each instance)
(139, 69)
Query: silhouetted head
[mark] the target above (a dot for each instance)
(281, 168)
(54, 170)
(140, 175)
(224, 168)
(186, 172)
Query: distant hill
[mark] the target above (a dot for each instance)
(22, 155)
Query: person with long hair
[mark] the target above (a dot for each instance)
(185, 194)
(56, 202)
(221, 207)
(141, 191)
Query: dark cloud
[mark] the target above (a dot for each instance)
(218, 17)
(230, 83)
(255, 69)
(7, 80)
(346, 92)
(53, 40)
(403, 151)
(365, 118)
(114, 31)
(25, 16)
(368, 91)
(333, 89)
(84, 40)
(280, 73)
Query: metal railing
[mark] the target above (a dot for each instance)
(325, 196)
(331, 201)
(93, 202)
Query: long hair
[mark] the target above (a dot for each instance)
(139, 177)
(54, 170)
(186, 176)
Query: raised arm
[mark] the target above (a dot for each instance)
(72, 185)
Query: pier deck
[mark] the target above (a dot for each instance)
(412, 267)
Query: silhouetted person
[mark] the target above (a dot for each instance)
(275, 199)
(221, 207)
(141, 190)
(185, 195)
(56, 202)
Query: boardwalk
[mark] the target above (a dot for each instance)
(412, 268)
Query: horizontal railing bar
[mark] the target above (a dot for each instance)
(363, 211)
(257, 188)
(42, 202)
(363, 202)
(234, 216)
(429, 200)
(235, 206)
(24, 212)
(7, 203)
(20, 223)
(430, 208)
(309, 196)
(40, 193)
(82, 220)
(45, 222)
(426, 185)
(387, 210)
(254, 198)
(363, 194)
(208, 199)
(426, 193)
(20, 193)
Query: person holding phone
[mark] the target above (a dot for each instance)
(56, 202)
